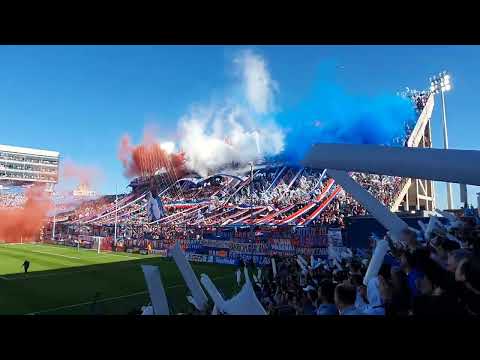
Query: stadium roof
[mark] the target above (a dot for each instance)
(29, 151)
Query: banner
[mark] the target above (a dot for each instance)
(197, 257)
(335, 237)
(221, 253)
(160, 252)
(226, 261)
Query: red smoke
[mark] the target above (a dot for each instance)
(26, 222)
(85, 175)
(147, 158)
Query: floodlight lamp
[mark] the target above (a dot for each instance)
(448, 87)
(446, 77)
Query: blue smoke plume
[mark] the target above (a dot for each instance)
(329, 114)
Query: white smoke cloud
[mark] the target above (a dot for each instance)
(214, 139)
(168, 147)
(233, 131)
(258, 86)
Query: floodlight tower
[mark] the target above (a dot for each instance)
(441, 84)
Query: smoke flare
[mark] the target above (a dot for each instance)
(149, 157)
(26, 222)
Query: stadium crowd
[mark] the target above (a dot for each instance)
(12, 200)
(438, 277)
(291, 194)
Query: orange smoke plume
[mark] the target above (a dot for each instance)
(84, 175)
(149, 157)
(25, 222)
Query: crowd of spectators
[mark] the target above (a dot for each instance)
(437, 277)
(284, 192)
(303, 191)
(93, 208)
(12, 200)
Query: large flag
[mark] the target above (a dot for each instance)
(156, 209)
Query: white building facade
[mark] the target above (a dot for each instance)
(21, 166)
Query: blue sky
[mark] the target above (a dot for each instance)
(80, 100)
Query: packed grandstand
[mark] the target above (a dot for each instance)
(285, 209)
(280, 194)
(295, 215)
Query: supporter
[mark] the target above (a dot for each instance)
(443, 248)
(396, 294)
(326, 292)
(408, 265)
(345, 296)
(468, 274)
(455, 257)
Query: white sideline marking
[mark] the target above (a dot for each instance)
(25, 243)
(111, 298)
(105, 253)
(56, 273)
(49, 253)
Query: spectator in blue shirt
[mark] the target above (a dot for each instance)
(345, 296)
(407, 263)
(326, 291)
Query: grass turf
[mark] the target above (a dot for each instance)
(66, 281)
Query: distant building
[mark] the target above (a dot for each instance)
(83, 191)
(21, 166)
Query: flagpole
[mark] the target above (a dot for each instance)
(116, 208)
(54, 216)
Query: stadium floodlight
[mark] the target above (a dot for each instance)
(442, 84)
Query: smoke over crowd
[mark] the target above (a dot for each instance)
(25, 222)
(330, 114)
(83, 175)
(149, 157)
(246, 125)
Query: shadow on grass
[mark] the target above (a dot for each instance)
(109, 288)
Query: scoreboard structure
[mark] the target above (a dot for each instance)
(20, 166)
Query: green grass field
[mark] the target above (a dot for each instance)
(66, 281)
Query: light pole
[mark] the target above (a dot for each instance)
(251, 190)
(251, 208)
(116, 219)
(54, 216)
(441, 84)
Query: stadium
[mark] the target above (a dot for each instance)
(273, 236)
